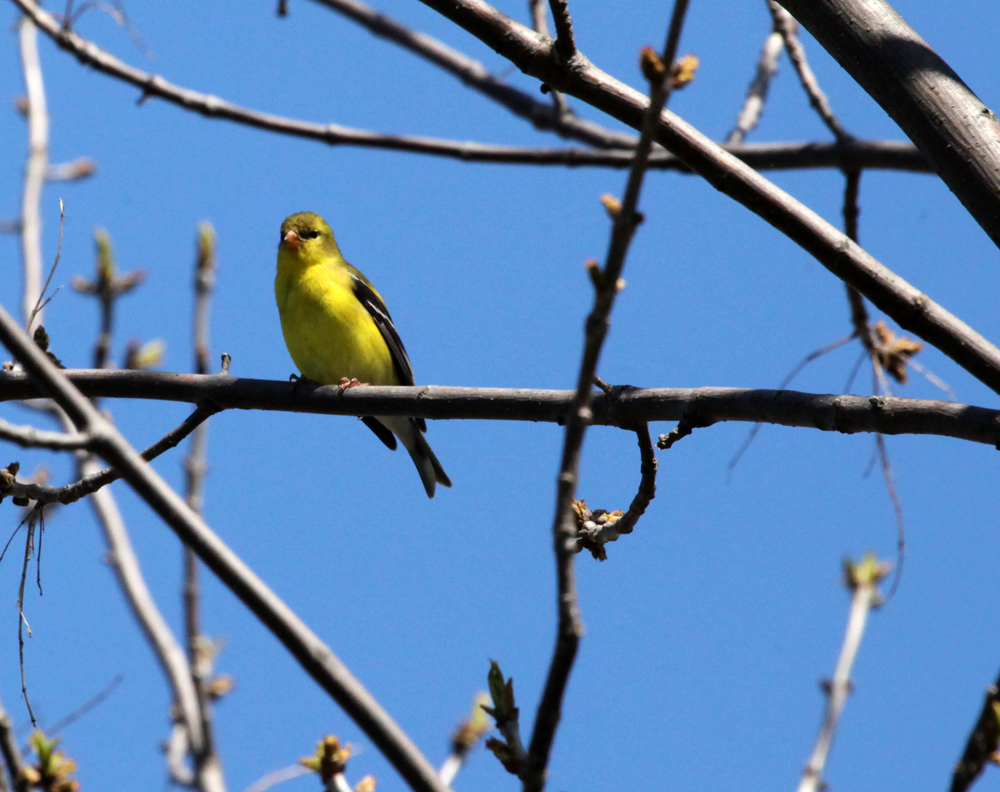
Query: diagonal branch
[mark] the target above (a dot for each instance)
(908, 307)
(91, 483)
(476, 76)
(34, 172)
(753, 105)
(312, 654)
(784, 23)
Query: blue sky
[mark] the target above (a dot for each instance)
(710, 626)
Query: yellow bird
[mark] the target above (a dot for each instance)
(338, 330)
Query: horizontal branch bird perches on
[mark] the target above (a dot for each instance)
(624, 406)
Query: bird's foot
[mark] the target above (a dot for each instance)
(348, 383)
(298, 381)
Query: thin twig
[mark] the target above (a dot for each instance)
(890, 155)
(626, 219)
(593, 533)
(34, 172)
(753, 106)
(276, 777)
(851, 213)
(863, 330)
(863, 580)
(314, 657)
(540, 22)
(647, 482)
(29, 545)
(87, 485)
(816, 353)
(88, 706)
(30, 437)
(797, 55)
(539, 16)
(897, 510)
(39, 305)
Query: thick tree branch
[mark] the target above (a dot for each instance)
(959, 135)
(312, 654)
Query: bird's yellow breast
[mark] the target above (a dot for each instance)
(329, 333)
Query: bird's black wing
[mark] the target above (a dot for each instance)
(376, 308)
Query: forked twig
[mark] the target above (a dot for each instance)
(39, 305)
(797, 55)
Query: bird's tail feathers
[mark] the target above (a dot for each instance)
(427, 464)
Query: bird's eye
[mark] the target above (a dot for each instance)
(311, 234)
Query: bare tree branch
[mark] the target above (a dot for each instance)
(472, 73)
(921, 93)
(982, 744)
(30, 437)
(165, 646)
(769, 156)
(207, 763)
(595, 533)
(826, 412)
(565, 40)
(314, 656)
(908, 307)
(34, 172)
(784, 23)
(753, 106)
(626, 219)
(71, 493)
(862, 579)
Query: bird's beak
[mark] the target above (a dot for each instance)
(293, 240)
